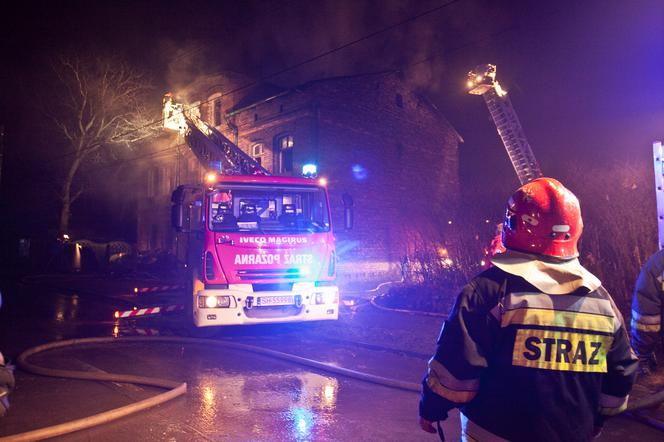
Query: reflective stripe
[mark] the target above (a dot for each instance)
(449, 380)
(459, 397)
(558, 318)
(571, 303)
(612, 405)
(646, 319)
(645, 327)
(471, 432)
(444, 384)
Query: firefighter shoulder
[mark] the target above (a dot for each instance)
(534, 348)
(647, 311)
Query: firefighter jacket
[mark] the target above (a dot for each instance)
(647, 306)
(524, 364)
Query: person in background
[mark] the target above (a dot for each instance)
(646, 324)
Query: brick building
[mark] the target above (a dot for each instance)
(372, 137)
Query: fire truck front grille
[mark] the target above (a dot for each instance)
(277, 311)
(257, 274)
(273, 287)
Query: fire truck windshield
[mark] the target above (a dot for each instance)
(268, 209)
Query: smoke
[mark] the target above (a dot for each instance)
(262, 38)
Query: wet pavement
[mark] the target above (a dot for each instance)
(232, 395)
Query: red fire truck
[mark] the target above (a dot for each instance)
(257, 249)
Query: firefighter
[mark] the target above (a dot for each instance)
(647, 312)
(6, 381)
(534, 348)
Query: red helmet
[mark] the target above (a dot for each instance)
(543, 217)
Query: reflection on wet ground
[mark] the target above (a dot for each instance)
(232, 395)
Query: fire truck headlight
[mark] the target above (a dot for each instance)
(331, 297)
(210, 301)
(214, 301)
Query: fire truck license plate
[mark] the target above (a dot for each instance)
(275, 300)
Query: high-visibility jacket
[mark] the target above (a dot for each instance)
(522, 364)
(646, 324)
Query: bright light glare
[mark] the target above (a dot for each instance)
(211, 177)
(322, 182)
(448, 261)
(470, 83)
(116, 315)
(210, 301)
(482, 263)
(329, 297)
(478, 78)
(309, 170)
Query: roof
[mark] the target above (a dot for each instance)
(256, 94)
(269, 179)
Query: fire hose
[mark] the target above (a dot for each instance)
(176, 389)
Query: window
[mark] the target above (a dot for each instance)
(154, 181)
(285, 145)
(217, 112)
(257, 149)
(268, 209)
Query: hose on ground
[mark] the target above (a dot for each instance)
(175, 388)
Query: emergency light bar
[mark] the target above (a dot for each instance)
(309, 171)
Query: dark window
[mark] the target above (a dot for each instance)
(399, 100)
(285, 146)
(259, 160)
(217, 112)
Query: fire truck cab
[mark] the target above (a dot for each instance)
(256, 249)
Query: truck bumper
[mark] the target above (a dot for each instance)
(309, 303)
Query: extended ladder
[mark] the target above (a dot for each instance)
(207, 143)
(482, 81)
(659, 189)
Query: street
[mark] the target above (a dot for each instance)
(232, 395)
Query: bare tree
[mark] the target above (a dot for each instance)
(99, 105)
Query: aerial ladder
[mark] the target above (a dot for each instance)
(482, 81)
(657, 153)
(208, 144)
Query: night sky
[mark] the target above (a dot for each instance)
(586, 78)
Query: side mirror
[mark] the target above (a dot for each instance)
(348, 210)
(177, 217)
(177, 209)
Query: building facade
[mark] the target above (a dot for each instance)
(372, 138)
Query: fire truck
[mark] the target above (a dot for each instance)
(256, 248)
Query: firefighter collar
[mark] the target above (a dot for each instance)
(551, 277)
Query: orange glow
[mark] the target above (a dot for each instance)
(135, 289)
(116, 315)
(211, 177)
(322, 181)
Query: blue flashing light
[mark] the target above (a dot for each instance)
(309, 170)
(360, 172)
(215, 165)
